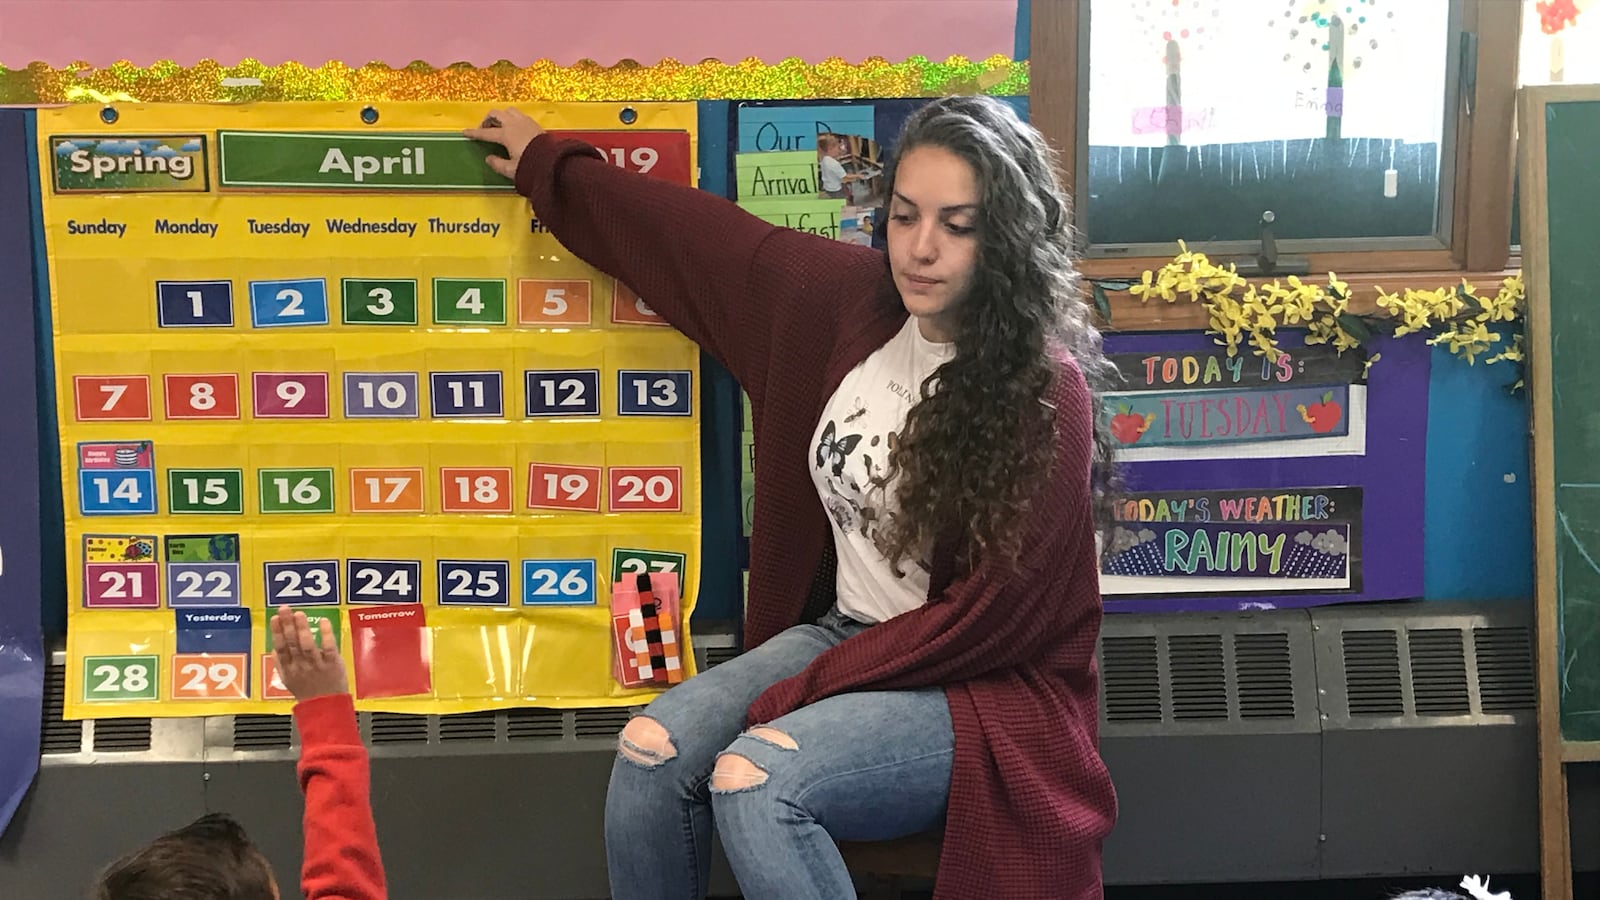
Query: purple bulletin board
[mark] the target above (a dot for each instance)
(21, 642)
(1319, 505)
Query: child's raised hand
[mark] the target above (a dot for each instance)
(309, 667)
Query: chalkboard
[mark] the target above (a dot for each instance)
(1561, 236)
(1559, 187)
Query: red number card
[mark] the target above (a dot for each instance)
(660, 154)
(645, 489)
(475, 490)
(552, 486)
(111, 398)
(213, 396)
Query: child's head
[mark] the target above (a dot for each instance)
(209, 859)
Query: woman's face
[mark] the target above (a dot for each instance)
(933, 236)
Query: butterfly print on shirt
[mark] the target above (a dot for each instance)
(835, 448)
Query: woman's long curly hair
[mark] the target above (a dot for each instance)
(981, 438)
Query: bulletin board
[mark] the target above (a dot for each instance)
(319, 354)
(22, 652)
(1256, 483)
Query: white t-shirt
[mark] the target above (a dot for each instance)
(851, 445)
(831, 172)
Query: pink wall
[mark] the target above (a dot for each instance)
(481, 32)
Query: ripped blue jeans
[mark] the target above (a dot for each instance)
(854, 767)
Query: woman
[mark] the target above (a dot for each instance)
(924, 596)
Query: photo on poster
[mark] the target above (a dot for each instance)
(1269, 540)
(834, 148)
(849, 168)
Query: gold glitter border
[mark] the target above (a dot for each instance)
(208, 81)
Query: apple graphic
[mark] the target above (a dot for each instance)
(1128, 426)
(1323, 416)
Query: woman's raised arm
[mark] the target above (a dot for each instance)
(713, 271)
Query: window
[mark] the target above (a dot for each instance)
(1560, 45)
(1451, 83)
(1338, 116)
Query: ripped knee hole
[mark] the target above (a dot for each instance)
(773, 736)
(646, 742)
(736, 773)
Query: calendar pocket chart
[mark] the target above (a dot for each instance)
(320, 356)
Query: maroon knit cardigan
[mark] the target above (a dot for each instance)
(789, 315)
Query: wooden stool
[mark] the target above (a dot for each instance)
(891, 863)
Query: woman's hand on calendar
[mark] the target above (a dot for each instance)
(511, 129)
(309, 665)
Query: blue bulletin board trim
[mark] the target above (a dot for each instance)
(1478, 542)
(1024, 28)
(52, 521)
(22, 659)
(721, 596)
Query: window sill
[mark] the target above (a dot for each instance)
(1129, 313)
(1370, 261)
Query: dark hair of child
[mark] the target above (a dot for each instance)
(211, 858)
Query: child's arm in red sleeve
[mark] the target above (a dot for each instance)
(341, 841)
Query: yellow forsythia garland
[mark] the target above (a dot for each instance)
(1243, 313)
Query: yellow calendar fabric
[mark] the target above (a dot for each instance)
(317, 354)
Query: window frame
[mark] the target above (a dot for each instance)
(1480, 160)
